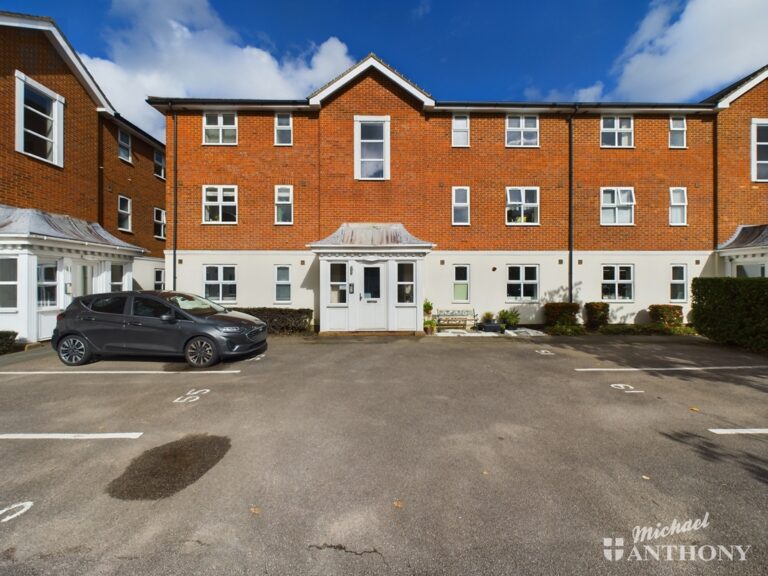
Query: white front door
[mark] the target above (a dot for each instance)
(372, 296)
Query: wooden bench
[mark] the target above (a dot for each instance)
(454, 318)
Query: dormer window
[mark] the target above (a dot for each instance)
(372, 147)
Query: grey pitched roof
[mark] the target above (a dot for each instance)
(747, 237)
(715, 98)
(369, 234)
(32, 222)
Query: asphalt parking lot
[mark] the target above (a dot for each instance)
(386, 456)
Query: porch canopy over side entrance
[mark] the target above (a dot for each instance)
(746, 252)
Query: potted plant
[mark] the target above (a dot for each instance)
(427, 308)
(430, 326)
(508, 318)
(487, 324)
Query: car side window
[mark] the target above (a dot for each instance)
(149, 307)
(109, 304)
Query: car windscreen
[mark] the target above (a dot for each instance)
(194, 305)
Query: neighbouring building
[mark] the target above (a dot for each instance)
(369, 196)
(82, 190)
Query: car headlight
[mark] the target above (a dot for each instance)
(231, 329)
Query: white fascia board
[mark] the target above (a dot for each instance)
(565, 109)
(741, 90)
(363, 67)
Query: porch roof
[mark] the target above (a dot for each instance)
(747, 237)
(370, 235)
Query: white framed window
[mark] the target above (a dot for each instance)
(282, 284)
(46, 286)
(158, 221)
(39, 121)
(159, 164)
(678, 284)
(618, 282)
(159, 283)
(460, 206)
(617, 206)
(220, 128)
(124, 216)
(678, 206)
(219, 204)
(522, 206)
(124, 146)
(220, 284)
(760, 149)
(750, 271)
(617, 132)
(338, 283)
(522, 282)
(9, 283)
(461, 283)
(406, 283)
(283, 129)
(372, 147)
(460, 131)
(116, 274)
(677, 132)
(283, 204)
(522, 131)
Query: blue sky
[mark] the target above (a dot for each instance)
(661, 50)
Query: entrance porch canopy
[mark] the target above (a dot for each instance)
(371, 238)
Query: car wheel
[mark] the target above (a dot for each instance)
(200, 352)
(74, 350)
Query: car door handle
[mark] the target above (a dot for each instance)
(135, 324)
(89, 319)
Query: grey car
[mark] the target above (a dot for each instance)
(155, 323)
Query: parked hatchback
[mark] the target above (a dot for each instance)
(155, 324)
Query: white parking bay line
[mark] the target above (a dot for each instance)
(673, 369)
(739, 430)
(102, 372)
(58, 436)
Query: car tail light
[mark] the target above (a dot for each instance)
(60, 316)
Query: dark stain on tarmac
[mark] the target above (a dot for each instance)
(165, 470)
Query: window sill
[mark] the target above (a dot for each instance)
(460, 146)
(678, 147)
(756, 180)
(9, 310)
(523, 224)
(338, 306)
(283, 223)
(125, 230)
(618, 301)
(405, 305)
(466, 224)
(219, 223)
(128, 161)
(678, 225)
(521, 146)
(283, 145)
(41, 159)
(219, 144)
(679, 301)
(162, 238)
(460, 302)
(160, 177)
(513, 301)
(372, 179)
(276, 303)
(617, 147)
(617, 225)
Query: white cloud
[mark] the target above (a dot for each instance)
(182, 48)
(423, 8)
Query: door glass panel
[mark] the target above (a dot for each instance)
(371, 282)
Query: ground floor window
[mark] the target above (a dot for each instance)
(618, 282)
(750, 270)
(406, 283)
(116, 278)
(461, 283)
(283, 284)
(8, 282)
(678, 287)
(523, 282)
(220, 283)
(46, 285)
(159, 279)
(338, 283)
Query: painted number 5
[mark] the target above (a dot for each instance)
(192, 396)
(622, 387)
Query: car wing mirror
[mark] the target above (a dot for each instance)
(170, 318)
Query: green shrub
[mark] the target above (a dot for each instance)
(560, 313)
(427, 307)
(732, 310)
(597, 314)
(666, 314)
(7, 339)
(566, 330)
(282, 320)
(646, 329)
(509, 317)
(486, 318)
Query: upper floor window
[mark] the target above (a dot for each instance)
(39, 121)
(220, 128)
(617, 206)
(9, 280)
(522, 206)
(159, 164)
(460, 131)
(372, 147)
(617, 132)
(283, 204)
(522, 131)
(220, 283)
(124, 145)
(677, 132)
(460, 206)
(158, 220)
(283, 129)
(678, 206)
(124, 215)
(220, 204)
(760, 149)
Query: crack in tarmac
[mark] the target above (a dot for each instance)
(343, 548)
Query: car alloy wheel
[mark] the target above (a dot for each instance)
(201, 352)
(73, 351)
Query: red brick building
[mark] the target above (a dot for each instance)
(369, 196)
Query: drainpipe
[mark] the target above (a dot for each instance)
(175, 188)
(570, 203)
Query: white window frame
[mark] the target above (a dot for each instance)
(522, 129)
(220, 203)
(455, 130)
(683, 205)
(617, 204)
(161, 273)
(128, 212)
(161, 164)
(117, 286)
(219, 281)
(288, 128)
(47, 284)
(344, 284)
(455, 204)
(220, 127)
(755, 123)
(683, 282)
(523, 282)
(617, 131)
(359, 120)
(279, 203)
(616, 282)
(11, 283)
(684, 130)
(57, 154)
(124, 142)
(523, 204)
(399, 283)
(279, 282)
(454, 282)
(158, 217)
